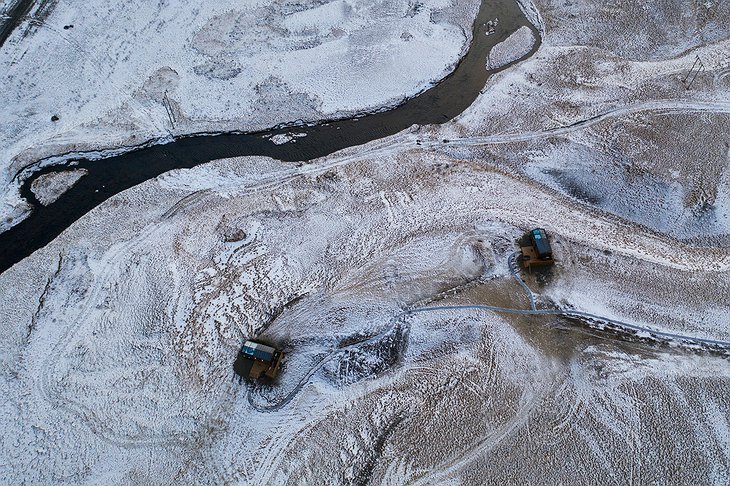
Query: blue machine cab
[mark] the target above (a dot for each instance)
(540, 243)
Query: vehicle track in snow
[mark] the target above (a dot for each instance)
(514, 270)
(406, 141)
(383, 147)
(113, 261)
(51, 389)
(529, 401)
(643, 242)
(48, 385)
(665, 106)
(144, 113)
(592, 320)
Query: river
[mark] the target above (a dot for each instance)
(109, 176)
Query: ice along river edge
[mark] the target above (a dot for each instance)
(109, 176)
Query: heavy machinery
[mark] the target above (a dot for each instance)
(256, 360)
(539, 252)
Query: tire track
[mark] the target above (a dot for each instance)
(49, 388)
(666, 106)
(143, 112)
(528, 402)
(407, 141)
(592, 320)
(514, 270)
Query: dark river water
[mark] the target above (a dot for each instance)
(13, 16)
(112, 175)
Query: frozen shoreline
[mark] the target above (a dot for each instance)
(437, 105)
(307, 63)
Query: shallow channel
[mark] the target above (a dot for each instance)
(109, 176)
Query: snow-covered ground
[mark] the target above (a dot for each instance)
(122, 347)
(610, 128)
(122, 73)
(47, 188)
(120, 335)
(5, 5)
(515, 46)
(635, 29)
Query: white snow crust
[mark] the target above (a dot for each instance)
(216, 66)
(119, 336)
(49, 187)
(514, 47)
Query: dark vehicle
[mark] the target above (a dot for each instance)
(541, 244)
(256, 359)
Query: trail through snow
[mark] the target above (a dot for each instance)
(594, 320)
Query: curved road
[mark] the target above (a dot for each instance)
(715, 345)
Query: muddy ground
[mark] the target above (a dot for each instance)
(120, 337)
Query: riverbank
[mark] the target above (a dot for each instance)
(72, 84)
(120, 334)
(114, 173)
